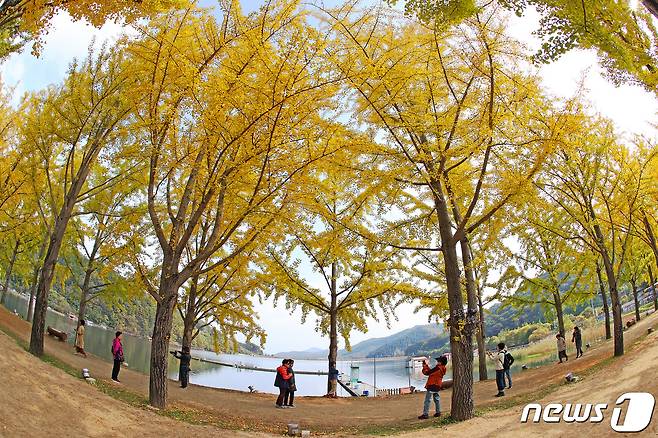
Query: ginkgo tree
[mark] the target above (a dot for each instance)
(102, 239)
(552, 268)
(635, 270)
(31, 19)
(324, 266)
(462, 125)
(596, 183)
(228, 115)
(623, 33)
(221, 298)
(68, 127)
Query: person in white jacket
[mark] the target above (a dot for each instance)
(499, 360)
(561, 347)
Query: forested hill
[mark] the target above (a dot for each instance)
(135, 315)
(432, 339)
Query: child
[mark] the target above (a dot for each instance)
(433, 386)
(561, 347)
(117, 354)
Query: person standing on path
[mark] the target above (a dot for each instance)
(433, 386)
(499, 360)
(577, 338)
(507, 365)
(281, 382)
(80, 339)
(289, 398)
(117, 354)
(561, 347)
(184, 369)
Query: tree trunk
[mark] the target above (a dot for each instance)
(333, 323)
(606, 309)
(652, 239)
(559, 312)
(653, 288)
(635, 301)
(84, 294)
(49, 263)
(160, 345)
(461, 325)
(652, 6)
(473, 299)
(189, 319)
(35, 280)
(482, 350)
(617, 323)
(45, 279)
(10, 269)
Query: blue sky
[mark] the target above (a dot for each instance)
(632, 109)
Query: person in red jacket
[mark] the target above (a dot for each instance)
(281, 381)
(433, 386)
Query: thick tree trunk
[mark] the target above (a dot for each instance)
(160, 345)
(10, 270)
(45, 279)
(333, 323)
(635, 301)
(606, 309)
(559, 312)
(653, 288)
(461, 325)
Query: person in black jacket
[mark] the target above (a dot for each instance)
(577, 338)
(184, 369)
(281, 382)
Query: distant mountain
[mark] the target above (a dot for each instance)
(396, 344)
(311, 353)
(249, 348)
(433, 339)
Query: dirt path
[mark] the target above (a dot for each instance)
(636, 372)
(39, 400)
(341, 417)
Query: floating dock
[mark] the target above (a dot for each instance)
(255, 368)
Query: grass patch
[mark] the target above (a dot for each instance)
(387, 430)
(51, 360)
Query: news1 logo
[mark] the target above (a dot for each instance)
(638, 412)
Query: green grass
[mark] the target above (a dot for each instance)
(387, 430)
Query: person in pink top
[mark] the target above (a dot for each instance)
(117, 354)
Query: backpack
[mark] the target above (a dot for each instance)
(508, 361)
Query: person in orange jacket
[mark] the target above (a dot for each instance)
(433, 386)
(282, 382)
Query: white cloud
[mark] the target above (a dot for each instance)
(66, 41)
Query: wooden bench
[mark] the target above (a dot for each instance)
(62, 336)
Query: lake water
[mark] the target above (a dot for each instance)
(387, 373)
